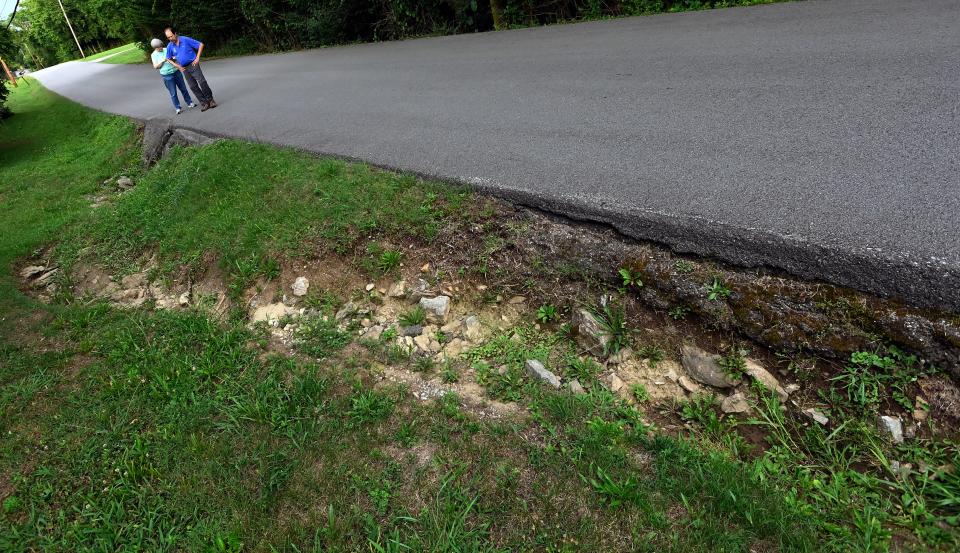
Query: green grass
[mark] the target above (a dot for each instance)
(133, 56)
(125, 49)
(154, 430)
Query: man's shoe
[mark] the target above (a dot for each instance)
(204, 107)
(213, 104)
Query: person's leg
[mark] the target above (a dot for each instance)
(178, 80)
(201, 82)
(172, 89)
(197, 93)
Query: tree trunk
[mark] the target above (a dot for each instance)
(496, 9)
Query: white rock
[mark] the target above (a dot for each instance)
(437, 308)
(397, 289)
(184, 299)
(892, 427)
(300, 286)
(614, 383)
(576, 387)
(32, 271)
(763, 376)
(817, 416)
(272, 312)
(472, 330)
(537, 370)
(370, 287)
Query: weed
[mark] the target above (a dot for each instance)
(546, 313)
(683, 266)
(653, 353)
(613, 492)
(319, 337)
(389, 261)
(640, 393)
(630, 278)
(449, 374)
(584, 369)
(424, 364)
(733, 362)
(369, 406)
(614, 321)
(679, 312)
(716, 289)
(413, 317)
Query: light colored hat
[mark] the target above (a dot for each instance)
(156, 43)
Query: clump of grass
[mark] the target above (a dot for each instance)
(653, 353)
(424, 364)
(412, 317)
(368, 407)
(319, 337)
(733, 362)
(613, 320)
(640, 393)
(716, 289)
(583, 369)
(546, 313)
(389, 260)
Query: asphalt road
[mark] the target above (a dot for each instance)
(818, 137)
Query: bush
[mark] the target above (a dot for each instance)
(4, 110)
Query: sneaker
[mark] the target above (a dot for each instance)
(191, 105)
(178, 111)
(213, 103)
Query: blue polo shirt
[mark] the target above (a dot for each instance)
(185, 53)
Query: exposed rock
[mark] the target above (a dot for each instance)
(472, 330)
(910, 431)
(32, 271)
(373, 333)
(370, 287)
(124, 183)
(614, 383)
(621, 357)
(816, 415)
(689, 385)
(397, 289)
(419, 291)
(516, 300)
(412, 330)
(46, 278)
(456, 347)
(943, 398)
(763, 376)
(272, 312)
(366, 323)
(920, 409)
(670, 369)
(348, 310)
(704, 368)
(437, 308)
(791, 389)
(300, 286)
(892, 427)
(537, 370)
(589, 333)
(184, 299)
(423, 342)
(452, 328)
(425, 268)
(576, 387)
(735, 403)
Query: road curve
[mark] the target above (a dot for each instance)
(818, 137)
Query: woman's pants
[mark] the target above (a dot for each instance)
(174, 81)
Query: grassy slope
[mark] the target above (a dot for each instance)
(111, 51)
(165, 430)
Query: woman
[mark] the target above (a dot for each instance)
(171, 75)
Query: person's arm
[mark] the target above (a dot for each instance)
(158, 65)
(199, 51)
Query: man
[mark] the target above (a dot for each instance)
(184, 53)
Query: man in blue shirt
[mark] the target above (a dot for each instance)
(184, 53)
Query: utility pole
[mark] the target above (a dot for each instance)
(82, 55)
(9, 74)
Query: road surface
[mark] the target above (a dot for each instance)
(818, 137)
